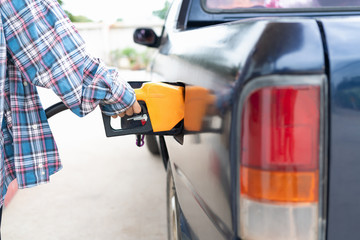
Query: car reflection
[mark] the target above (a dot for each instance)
(204, 110)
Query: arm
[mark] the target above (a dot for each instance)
(44, 45)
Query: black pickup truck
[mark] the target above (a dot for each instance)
(270, 147)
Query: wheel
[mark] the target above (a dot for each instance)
(152, 144)
(173, 213)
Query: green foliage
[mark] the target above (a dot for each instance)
(162, 12)
(78, 18)
(130, 53)
(74, 18)
(135, 60)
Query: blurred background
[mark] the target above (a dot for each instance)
(108, 188)
(108, 28)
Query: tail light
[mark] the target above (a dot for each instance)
(280, 163)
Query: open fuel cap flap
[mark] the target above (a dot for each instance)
(162, 112)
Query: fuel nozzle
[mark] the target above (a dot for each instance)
(162, 111)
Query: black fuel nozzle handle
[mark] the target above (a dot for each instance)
(135, 124)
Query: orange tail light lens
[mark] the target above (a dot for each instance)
(280, 186)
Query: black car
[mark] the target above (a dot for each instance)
(268, 147)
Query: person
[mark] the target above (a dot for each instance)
(232, 4)
(40, 47)
(290, 4)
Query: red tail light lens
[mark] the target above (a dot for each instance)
(281, 128)
(280, 144)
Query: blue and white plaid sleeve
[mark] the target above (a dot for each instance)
(49, 51)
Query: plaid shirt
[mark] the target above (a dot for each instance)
(40, 47)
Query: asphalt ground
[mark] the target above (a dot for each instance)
(108, 188)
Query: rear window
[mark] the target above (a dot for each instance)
(239, 5)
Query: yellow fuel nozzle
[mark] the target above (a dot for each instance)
(165, 104)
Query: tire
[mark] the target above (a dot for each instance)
(172, 206)
(152, 144)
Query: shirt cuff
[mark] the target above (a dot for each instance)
(121, 97)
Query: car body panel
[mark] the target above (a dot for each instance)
(342, 38)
